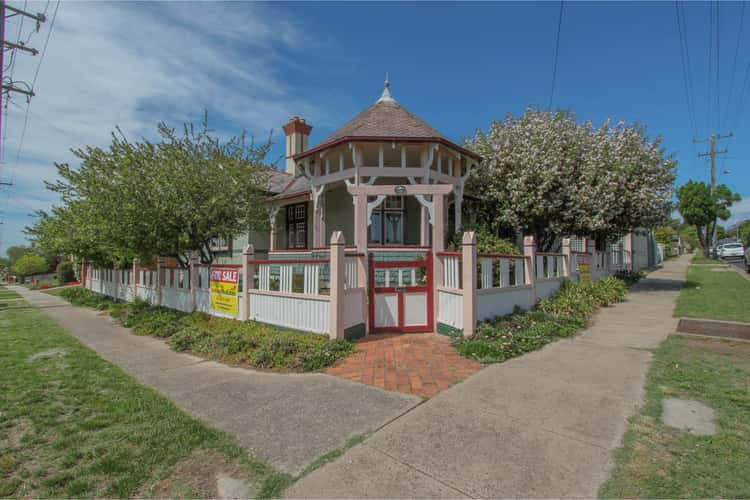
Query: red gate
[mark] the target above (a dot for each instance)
(400, 295)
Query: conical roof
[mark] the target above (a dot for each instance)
(384, 120)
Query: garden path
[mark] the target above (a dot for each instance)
(422, 364)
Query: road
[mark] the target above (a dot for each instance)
(738, 262)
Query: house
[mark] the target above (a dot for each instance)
(385, 164)
(358, 226)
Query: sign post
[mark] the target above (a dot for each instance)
(224, 290)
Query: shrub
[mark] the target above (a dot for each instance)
(559, 316)
(65, 272)
(629, 277)
(582, 299)
(487, 241)
(509, 336)
(82, 297)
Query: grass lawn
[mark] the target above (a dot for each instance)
(8, 298)
(699, 258)
(657, 461)
(714, 293)
(73, 425)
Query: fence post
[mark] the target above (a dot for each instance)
(248, 271)
(159, 271)
(628, 257)
(134, 279)
(336, 319)
(193, 278)
(469, 268)
(566, 257)
(116, 280)
(529, 252)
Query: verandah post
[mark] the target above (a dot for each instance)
(336, 310)
(469, 268)
(248, 272)
(529, 252)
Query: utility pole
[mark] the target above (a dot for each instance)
(711, 154)
(4, 44)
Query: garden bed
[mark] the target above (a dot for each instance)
(558, 317)
(245, 343)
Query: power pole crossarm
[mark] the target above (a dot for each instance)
(11, 88)
(40, 18)
(18, 46)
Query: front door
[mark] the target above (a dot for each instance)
(400, 295)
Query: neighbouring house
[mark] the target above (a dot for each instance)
(358, 227)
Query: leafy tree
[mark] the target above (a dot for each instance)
(703, 209)
(545, 174)
(744, 232)
(146, 199)
(30, 264)
(65, 272)
(16, 252)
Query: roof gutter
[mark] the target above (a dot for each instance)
(345, 139)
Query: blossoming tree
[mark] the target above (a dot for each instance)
(545, 174)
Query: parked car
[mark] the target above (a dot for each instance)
(732, 250)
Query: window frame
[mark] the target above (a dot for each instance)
(381, 211)
(296, 222)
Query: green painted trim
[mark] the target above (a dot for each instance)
(448, 330)
(355, 332)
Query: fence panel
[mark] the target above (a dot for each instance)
(450, 308)
(305, 313)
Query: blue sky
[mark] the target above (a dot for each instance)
(458, 66)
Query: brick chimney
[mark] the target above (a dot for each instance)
(297, 132)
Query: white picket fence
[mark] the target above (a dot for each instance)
(504, 282)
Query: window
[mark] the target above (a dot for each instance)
(296, 226)
(387, 222)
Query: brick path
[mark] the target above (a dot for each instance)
(420, 364)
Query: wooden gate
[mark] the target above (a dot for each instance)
(400, 295)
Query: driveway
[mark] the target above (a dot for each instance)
(286, 420)
(542, 425)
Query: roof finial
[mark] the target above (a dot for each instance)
(386, 96)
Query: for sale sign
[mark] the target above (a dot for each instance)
(224, 290)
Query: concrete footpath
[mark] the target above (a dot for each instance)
(542, 425)
(285, 420)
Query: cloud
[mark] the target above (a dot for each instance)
(134, 64)
(740, 212)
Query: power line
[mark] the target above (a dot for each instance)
(46, 42)
(741, 102)
(718, 65)
(734, 62)
(557, 50)
(33, 84)
(685, 71)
